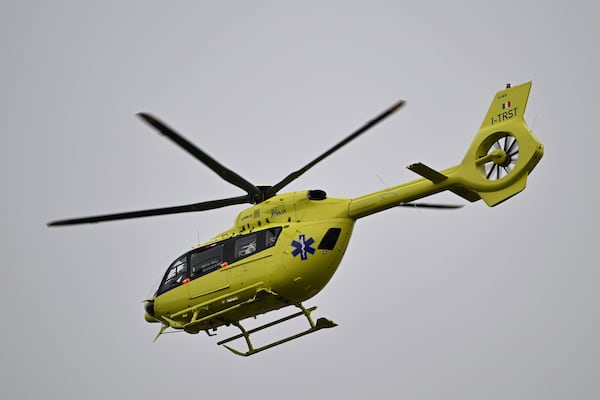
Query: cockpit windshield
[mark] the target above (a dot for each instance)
(175, 274)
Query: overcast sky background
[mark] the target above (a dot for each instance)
(479, 303)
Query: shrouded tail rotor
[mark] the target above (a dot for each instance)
(500, 158)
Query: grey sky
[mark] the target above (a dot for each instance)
(492, 303)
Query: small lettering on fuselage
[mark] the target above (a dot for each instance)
(279, 210)
(505, 115)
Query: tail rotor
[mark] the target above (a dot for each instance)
(499, 158)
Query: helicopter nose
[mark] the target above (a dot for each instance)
(149, 315)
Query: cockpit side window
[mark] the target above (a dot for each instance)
(175, 274)
(203, 261)
(245, 245)
(249, 244)
(271, 236)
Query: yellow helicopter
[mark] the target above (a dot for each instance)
(284, 249)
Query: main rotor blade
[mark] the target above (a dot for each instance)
(207, 205)
(430, 205)
(294, 175)
(203, 157)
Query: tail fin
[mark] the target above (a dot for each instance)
(507, 104)
(504, 150)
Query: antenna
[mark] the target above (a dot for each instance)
(382, 181)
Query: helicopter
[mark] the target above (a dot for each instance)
(284, 248)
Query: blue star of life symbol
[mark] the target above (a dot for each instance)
(303, 247)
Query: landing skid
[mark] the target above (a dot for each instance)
(320, 324)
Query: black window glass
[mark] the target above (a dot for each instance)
(330, 239)
(271, 236)
(245, 245)
(203, 261)
(175, 274)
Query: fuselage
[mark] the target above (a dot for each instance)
(290, 245)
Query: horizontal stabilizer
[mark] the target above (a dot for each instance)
(466, 193)
(427, 172)
(437, 177)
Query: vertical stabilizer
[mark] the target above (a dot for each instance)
(507, 104)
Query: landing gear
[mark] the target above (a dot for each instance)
(320, 324)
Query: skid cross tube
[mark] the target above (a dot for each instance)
(320, 324)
